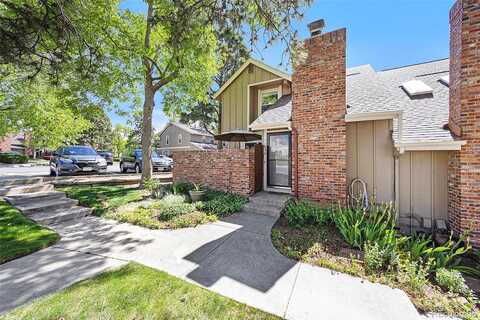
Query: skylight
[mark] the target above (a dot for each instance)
(445, 80)
(416, 88)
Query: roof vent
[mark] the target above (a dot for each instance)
(316, 27)
(416, 88)
(445, 80)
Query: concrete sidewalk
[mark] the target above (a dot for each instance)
(233, 257)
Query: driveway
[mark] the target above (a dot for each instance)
(13, 172)
(233, 257)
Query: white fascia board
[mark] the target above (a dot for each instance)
(272, 125)
(371, 116)
(430, 145)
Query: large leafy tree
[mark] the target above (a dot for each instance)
(99, 135)
(40, 111)
(207, 113)
(46, 35)
(176, 42)
(119, 139)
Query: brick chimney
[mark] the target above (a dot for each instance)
(318, 117)
(464, 118)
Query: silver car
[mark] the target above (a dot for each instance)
(76, 159)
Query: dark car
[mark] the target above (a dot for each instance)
(76, 159)
(133, 161)
(107, 155)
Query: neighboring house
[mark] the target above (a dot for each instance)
(15, 143)
(412, 134)
(176, 136)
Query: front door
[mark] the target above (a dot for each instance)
(279, 169)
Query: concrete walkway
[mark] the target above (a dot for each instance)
(233, 257)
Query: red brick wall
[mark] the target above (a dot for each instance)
(318, 120)
(464, 165)
(5, 143)
(230, 170)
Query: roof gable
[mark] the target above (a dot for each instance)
(275, 71)
(185, 128)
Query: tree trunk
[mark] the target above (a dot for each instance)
(148, 106)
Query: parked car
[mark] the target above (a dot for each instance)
(168, 160)
(47, 156)
(76, 159)
(133, 161)
(107, 155)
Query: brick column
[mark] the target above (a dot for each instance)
(464, 118)
(318, 119)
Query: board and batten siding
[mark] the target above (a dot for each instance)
(234, 98)
(370, 157)
(422, 174)
(423, 184)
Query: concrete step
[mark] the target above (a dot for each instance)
(26, 198)
(265, 198)
(14, 190)
(254, 205)
(267, 202)
(265, 210)
(20, 182)
(47, 205)
(60, 215)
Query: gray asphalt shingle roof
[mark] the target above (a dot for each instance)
(423, 118)
(279, 112)
(378, 91)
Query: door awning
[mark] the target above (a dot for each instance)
(238, 136)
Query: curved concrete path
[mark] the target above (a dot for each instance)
(233, 257)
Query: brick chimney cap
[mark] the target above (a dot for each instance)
(316, 27)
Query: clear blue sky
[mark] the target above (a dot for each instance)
(383, 33)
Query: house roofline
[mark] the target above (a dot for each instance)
(272, 125)
(185, 128)
(259, 64)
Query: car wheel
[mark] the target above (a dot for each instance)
(137, 168)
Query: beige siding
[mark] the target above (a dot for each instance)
(370, 157)
(422, 174)
(234, 98)
(423, 184)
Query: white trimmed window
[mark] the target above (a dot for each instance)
(180, 138)
(267, 97)
(167, 140)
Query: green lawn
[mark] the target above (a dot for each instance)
(135, 292)
(20, 236)
(103, 198)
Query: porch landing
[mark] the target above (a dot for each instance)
(266, 203)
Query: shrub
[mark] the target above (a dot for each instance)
(181, 187)
(417, 246)
(156, 188)
(451, 280)
(413, 275)
(172, 206)
(304, 213)
(223, 203)
(421, 248)
(379, 258)
(12, 157)
(358, 226)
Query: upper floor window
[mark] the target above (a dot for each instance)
(267, 98)
(167, 140)
(180, 138)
